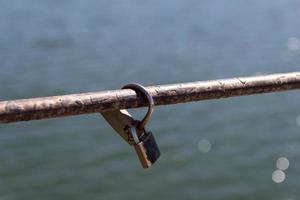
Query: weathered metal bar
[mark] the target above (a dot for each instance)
(75, 104)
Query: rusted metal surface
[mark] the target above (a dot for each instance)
(75, 104)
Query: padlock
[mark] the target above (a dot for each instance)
(134, 131)
(145, 144)
(145, 147)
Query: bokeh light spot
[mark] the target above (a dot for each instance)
(278, 176)
(204, 146)
(283, 163)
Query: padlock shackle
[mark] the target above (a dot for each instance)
(139, 88)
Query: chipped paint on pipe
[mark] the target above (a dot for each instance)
(75, 104)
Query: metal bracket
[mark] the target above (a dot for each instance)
(120, 121)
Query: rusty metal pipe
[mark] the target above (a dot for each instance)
(75, 104)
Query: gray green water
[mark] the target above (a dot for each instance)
(50, 47)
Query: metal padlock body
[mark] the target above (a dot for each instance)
(147, 149)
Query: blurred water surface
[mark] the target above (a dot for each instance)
(223, 149)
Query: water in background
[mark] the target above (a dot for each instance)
(221, 149)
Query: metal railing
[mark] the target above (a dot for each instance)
(75, 104)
